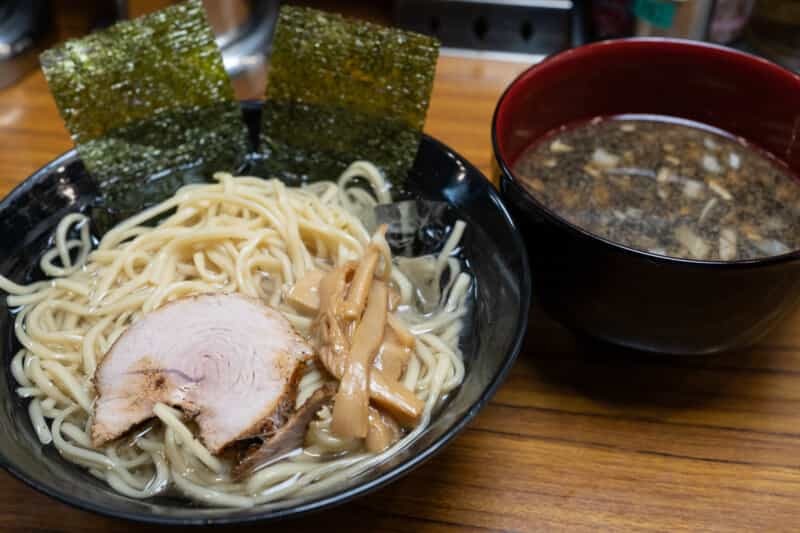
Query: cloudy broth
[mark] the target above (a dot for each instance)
(667, 186)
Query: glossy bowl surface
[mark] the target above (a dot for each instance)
(492, 246)
(631, 297)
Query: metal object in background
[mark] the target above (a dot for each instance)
(687, 19)
(244, 30)
(774, 31)
(526, 30)
(612, 19)
(23, 28)
(729, 20)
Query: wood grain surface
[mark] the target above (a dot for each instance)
(579, 438)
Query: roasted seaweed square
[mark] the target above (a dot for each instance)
(144, 97)
(342, 90)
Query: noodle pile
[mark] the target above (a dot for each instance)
(239, 234)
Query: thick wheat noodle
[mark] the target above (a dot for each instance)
(237, 234)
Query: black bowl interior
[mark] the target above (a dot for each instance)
(492, 246)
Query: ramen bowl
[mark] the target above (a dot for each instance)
(626, 296)
(492, 246)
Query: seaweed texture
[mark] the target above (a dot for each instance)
(342, 90)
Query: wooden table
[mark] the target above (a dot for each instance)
(574, 440)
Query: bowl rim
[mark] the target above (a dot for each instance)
(335, 498)
(531, 203)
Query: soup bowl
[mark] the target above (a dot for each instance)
(631, 297)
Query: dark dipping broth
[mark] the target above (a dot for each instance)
(668, 186)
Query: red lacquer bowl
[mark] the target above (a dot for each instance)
(626, 296)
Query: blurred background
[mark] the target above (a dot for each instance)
(508, 30)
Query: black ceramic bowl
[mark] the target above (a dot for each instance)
(626, 296)
(492, 246)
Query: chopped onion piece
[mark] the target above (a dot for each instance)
(707, 209)
(631, 171)
(559, 147)
(720, 190)
(734, 160)
(593, 172)
(697, 247)
(727, 244)
(537, 184)
(693, 188)
(771, 247)
(604, 159)
(711, 164)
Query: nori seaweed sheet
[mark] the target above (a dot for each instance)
(341, 90)
(146, 96)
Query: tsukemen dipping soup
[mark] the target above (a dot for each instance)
(668, 186)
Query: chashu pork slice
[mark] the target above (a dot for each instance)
(225, 359)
